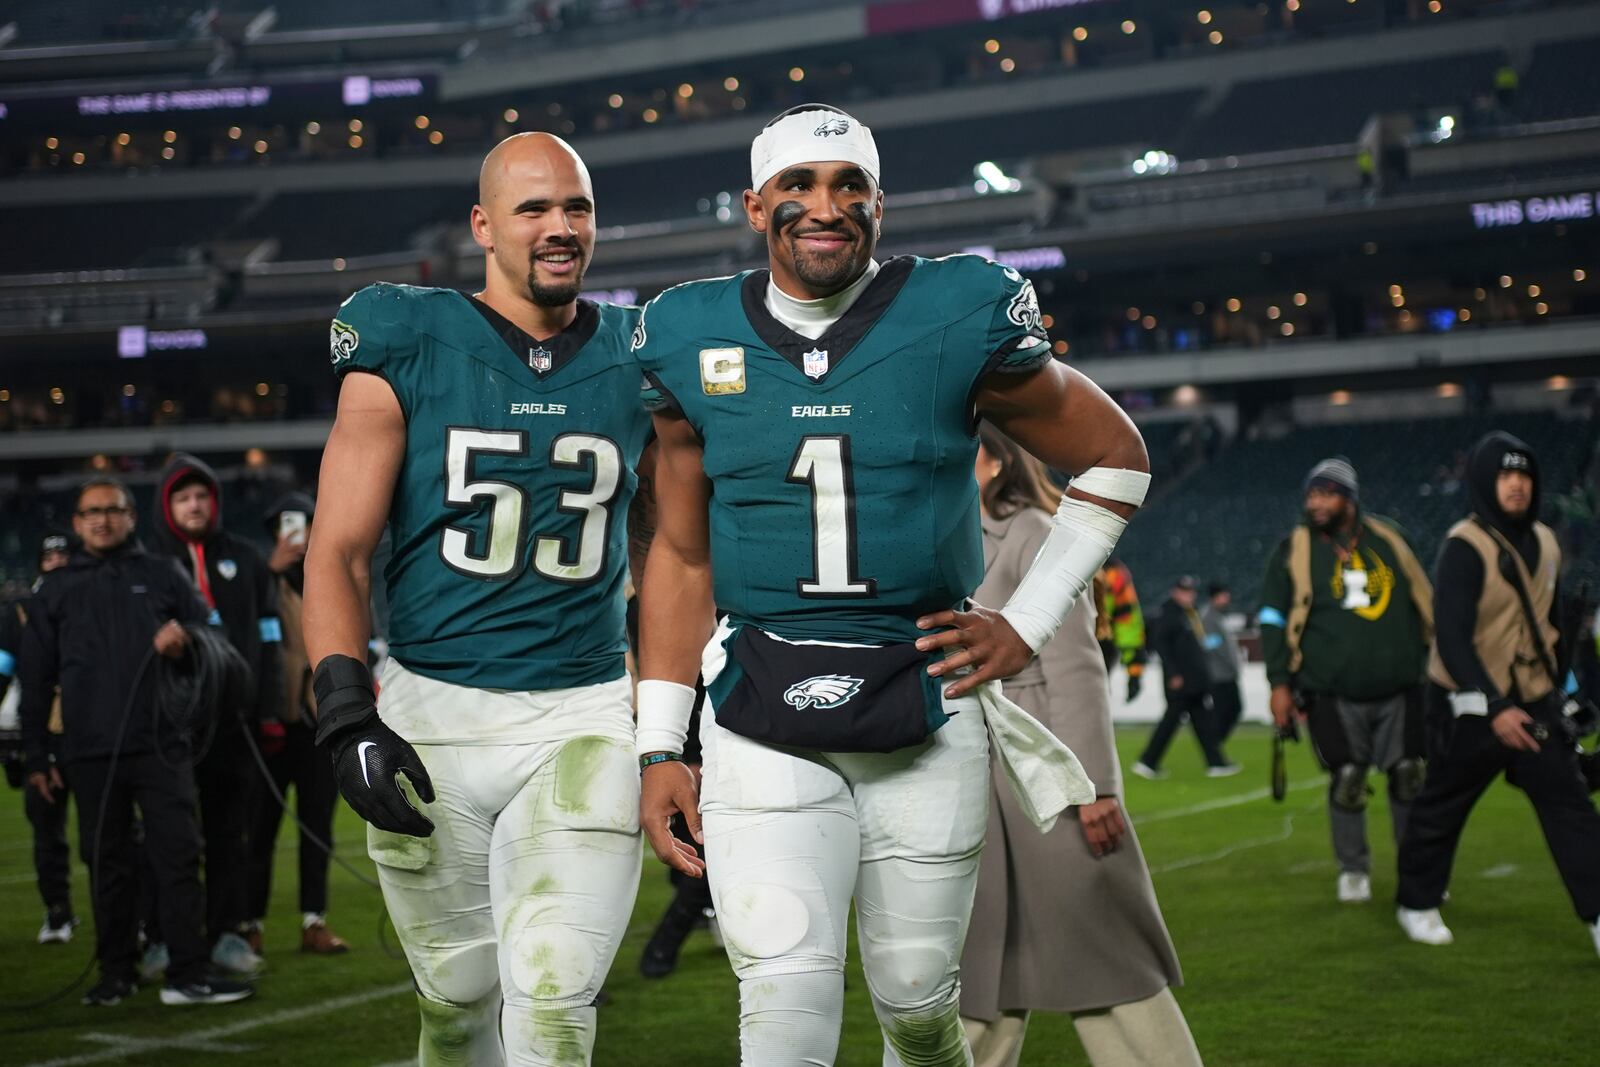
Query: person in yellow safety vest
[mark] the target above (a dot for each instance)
(1120, 626)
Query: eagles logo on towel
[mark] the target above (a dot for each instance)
(342, 341)
(823, 692)
(834, 127)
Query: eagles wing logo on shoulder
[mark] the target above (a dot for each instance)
(823, 692)
(638, 335)
(1024, 309)
(343, 340)
(837, 126)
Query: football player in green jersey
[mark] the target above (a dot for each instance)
(816, 425)
(496, 436)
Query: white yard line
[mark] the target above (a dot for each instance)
(1238, 846)
(212, 1040)
(1500, 870)
(1231, 801)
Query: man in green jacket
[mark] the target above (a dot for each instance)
(1346, 621)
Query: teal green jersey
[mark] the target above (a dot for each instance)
(507, 524)
(843, 502)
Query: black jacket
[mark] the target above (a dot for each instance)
(232, 576)
(90, 627)
(1174, 639)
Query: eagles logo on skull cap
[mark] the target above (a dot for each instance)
(811, 133)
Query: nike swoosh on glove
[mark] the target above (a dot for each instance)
(368, 757)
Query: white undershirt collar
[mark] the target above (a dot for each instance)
(811, 318)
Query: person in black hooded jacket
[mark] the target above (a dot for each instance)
(234, 579)
(1495, 695)
(96, 630)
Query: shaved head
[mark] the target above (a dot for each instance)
(534, 221)
(524, 154)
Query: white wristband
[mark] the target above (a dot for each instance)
(1081, 536)
(664, 712)
(1468, 702)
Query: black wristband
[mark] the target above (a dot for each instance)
(342, 687)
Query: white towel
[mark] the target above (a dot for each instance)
(1044, 774)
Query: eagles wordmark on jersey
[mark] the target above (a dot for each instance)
(845, 505)
(507, 521)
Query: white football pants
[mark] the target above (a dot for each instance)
(790, 836)
(524, 891)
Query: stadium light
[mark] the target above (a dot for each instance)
(436, 137)
(1299, 300)
(52, 143)
(1558, 382)
(992, 179)
(1080, 34)
(615, 100)
(510, 115)
(168, 152)
(171, 136)
(991, 46)
(313, 128)
(1008, 64)
(1129, 27)
(797, 74)
(1580, 275)
(1287, 329)
(1203, 16)
(731, 84)
(685, 91)
(650, 114)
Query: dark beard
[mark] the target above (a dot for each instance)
(560, 294)
(554, 296)
(1332, 526)
(825, 276)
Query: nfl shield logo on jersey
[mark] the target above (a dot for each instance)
(227, 568)
(815, 362)
(539, 359)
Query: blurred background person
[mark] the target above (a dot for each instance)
(1123, 641)
(1495, 693)
(46, 811)
(294, 760)
(1346, 620)
(1179, 640)
(1222, 661)
(1065, 921)
(241, 592)
(91, 631)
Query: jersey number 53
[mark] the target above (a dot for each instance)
(498, 554)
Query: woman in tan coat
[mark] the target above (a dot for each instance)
(1065, 921)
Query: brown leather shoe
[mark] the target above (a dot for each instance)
(319, 939)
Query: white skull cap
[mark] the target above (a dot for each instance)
(811, 133)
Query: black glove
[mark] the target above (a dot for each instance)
(368, 757)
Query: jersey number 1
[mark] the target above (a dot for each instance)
(500, 552)
(823, 462)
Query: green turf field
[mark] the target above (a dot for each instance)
(1278, 974)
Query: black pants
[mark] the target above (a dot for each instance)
(1179, 705)
(227, 778)
(52, 859)
(316, 791)
(164, 793)
(1466, 760)
(1226, 707)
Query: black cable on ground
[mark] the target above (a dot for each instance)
(94, 863)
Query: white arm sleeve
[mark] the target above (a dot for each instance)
(1082, 535)
(664, 712)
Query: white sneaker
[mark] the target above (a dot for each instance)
(1223, 770)
(1144, 770)
(1425, 927)
(57, 929)
(1354, 888)
(232, 953)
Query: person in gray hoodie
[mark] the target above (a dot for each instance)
(1222, 659)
